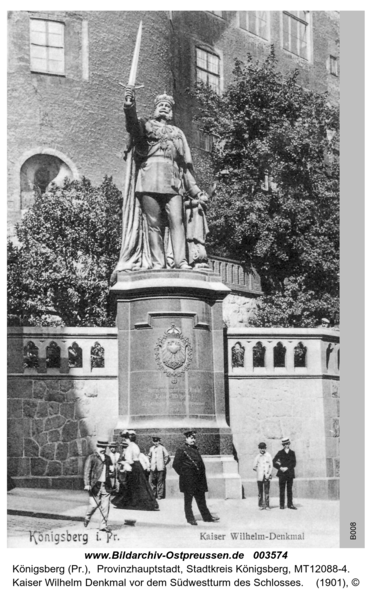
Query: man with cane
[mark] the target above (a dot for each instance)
(97, 482)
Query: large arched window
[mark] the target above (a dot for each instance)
(38, 172)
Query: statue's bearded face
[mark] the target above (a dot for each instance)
(163, 110)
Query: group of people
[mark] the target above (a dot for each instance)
(137, 482)
(285, 462)
(131, 479)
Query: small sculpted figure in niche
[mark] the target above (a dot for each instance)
(300, 355)
(75, 356)
(31, 356)
(97, 356)
(259, 355)
(279, 355)
(237, 355)
(53, 356)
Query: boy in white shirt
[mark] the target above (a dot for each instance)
(263, 465)
(158, 458)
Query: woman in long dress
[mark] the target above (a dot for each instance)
(135, 492)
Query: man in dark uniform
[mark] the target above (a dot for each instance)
(189, 465)
(97, 470)
(285, 462)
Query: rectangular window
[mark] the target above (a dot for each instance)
(333, 65)
(47, 51)
(295, 32)
(255, 21)
(205, 140)
(208, 69)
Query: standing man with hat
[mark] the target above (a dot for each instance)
(189, 465)
(263, 465)
(97, 482)
(325, 323)
(285, 462)
(159, 458)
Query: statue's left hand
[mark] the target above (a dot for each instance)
(203, 198)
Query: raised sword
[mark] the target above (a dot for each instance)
(134, 66)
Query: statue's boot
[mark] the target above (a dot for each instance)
(184, 265)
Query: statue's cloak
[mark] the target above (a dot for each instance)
(135, 250)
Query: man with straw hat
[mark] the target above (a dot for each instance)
(285, 462)
(97, 482)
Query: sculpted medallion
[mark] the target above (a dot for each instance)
(173, 353)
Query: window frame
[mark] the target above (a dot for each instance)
(299, 21)
(204, 70)
(205, 140)
(247, 30)
(49, 70)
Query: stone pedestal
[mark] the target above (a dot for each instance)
(171, 363)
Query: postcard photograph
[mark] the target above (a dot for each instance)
(173, 279)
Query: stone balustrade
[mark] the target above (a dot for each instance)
(235, 276)
(283, 352)
(285, 382)
(68, 351)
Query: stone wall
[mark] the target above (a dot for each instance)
(302, 402)
(56, 415)
(238, 309)
(245, 286)
(77, 117)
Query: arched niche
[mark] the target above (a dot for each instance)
(37, 174)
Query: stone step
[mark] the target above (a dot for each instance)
(222, 476)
